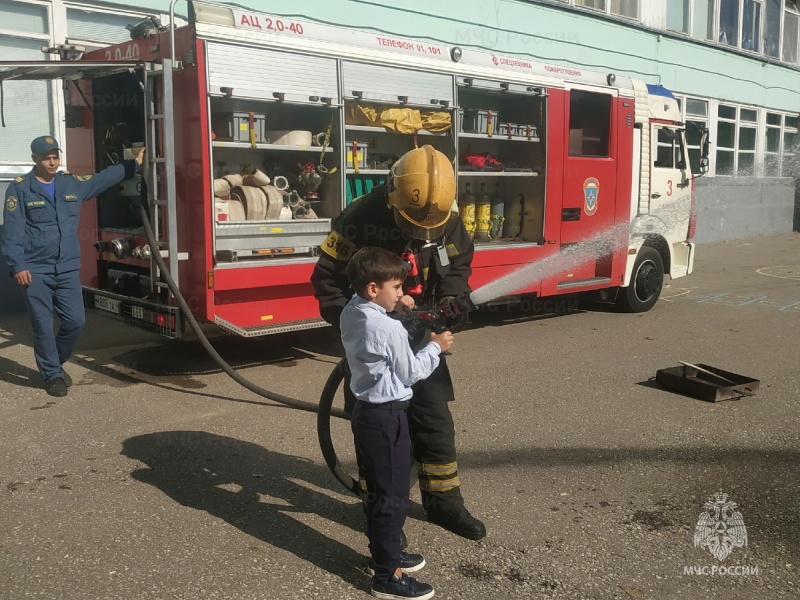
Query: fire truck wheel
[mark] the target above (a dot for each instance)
(647, 280)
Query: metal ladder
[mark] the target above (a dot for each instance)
(160, 170)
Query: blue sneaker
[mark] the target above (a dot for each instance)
(401, 587)
(409, 563)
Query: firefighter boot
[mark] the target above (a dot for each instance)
(447, 510)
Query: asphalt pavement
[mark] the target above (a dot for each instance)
(159, 477)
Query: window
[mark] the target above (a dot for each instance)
(678, 15)
(772, 29)
(667, 149)
(596, 4)
(772, 145)
(589, 123)
(694, 17)
(791, 25)
(726, 140)
(696, 121)
(104, 28)
(746, 149)
(625, 8)
(789, 167)
(703, 19)
(729, 22)
(622, 8)
(751, 25)
(23, 18)
(27, 105)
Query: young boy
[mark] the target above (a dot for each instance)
(383, 369)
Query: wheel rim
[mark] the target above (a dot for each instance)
(648, 281)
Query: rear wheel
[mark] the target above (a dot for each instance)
(647, 280)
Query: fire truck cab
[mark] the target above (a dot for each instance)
(260, 129)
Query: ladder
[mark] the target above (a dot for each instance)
(160, 168)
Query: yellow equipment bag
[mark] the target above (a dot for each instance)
(436, 121)
(402, 120)
(361, 114)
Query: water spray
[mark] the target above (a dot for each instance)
(668, 216)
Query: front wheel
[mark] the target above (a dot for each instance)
(647, 280)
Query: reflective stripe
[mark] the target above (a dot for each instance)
(432, 469)
(439, 485)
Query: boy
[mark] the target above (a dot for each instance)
(383, 369)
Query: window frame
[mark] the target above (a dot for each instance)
(607, 4)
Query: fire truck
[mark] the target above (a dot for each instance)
(260, 129)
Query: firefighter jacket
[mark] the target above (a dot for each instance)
(368, 221)
(41, 235)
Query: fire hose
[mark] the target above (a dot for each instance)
(416, 322)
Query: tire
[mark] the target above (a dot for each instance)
(647, 280)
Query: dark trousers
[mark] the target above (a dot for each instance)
(381, 435)
(433, 439)
(60, 294)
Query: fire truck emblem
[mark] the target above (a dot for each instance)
(495, 60)
(718, 529)
(591, 190)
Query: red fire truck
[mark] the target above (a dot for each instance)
(260, 129)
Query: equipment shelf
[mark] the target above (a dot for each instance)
(498, 137)
(368, 172)
(276, 147)
(497, 174)
(373, 129)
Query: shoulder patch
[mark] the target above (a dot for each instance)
(18, 179)
(11, 203)
(338, 247)
(65, 172)
(83, 177)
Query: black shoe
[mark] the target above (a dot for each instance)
(56, 387)
(459, 522)
(401, 587)
(67, 379)
(409, 563)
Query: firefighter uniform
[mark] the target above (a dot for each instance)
(41, 236)
(444, 268)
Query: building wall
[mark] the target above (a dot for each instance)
(729, 208)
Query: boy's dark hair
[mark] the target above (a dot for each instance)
(374, 264)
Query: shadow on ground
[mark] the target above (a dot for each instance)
(263, 493)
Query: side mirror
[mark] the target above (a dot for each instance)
(704, 149)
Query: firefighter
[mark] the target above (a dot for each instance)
(410, 215)
(40, 220)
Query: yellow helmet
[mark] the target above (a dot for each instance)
(422, 189)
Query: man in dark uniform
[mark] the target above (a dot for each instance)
(411, 215)
(40, 242)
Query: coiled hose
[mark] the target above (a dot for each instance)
(324, 409)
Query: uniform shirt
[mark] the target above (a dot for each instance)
(382, 364)
(40, 233)
(369, 221)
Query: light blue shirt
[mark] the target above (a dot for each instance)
(381, 361)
